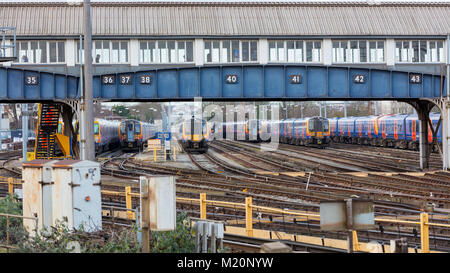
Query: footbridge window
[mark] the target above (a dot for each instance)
(419, 51)
(313, 51)
(166, 51)
(36, 52)
(105, 52)
(358, 51)
(376, 51)
(340, 51)
(293, 51)
(230, 51)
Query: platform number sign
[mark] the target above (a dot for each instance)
(125, 79)
(358, 78)
(109, 79)
(295, 79)
(231, 78)
(415, 78)
(145, 79)
(31, 80)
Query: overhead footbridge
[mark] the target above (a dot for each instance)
(267, 83)
(244, 82)
(241, 83)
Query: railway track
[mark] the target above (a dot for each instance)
(226, 181)
(232, 171)
(14, 171)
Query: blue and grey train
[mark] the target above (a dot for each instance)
(311, 131)
(133, 134)
(397, 131)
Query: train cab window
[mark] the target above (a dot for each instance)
(96, 129)
(138, 128)
(311, 125)
(60, 128)
(325, 126)
(204, 127)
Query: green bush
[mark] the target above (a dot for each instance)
(180, 240)
(59, 239)
(10, 205)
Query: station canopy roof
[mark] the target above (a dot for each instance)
(230, 18)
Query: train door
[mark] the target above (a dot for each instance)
(348, 129)
(130, 132)
(303, 126)
(430, 134)
(413, 130)
(395, 129)
(383, 128)
(375, 127)
(360, 128)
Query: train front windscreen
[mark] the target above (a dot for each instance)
(96, 129)
(192, 127)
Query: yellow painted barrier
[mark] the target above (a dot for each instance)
(203, 205)
(129, 204)
(424, 233)
(248, 216)
(249, 231)
(355, 241)
(11, 185)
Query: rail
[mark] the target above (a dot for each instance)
(249, 207)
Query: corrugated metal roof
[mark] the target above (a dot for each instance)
(228, 20)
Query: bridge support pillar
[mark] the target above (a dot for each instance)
(423, 144)
(445, 133)
(423, 109)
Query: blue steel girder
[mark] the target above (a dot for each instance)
(269, 82)
(19, 85)
(238, 82)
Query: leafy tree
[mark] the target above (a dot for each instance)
(121, 110)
